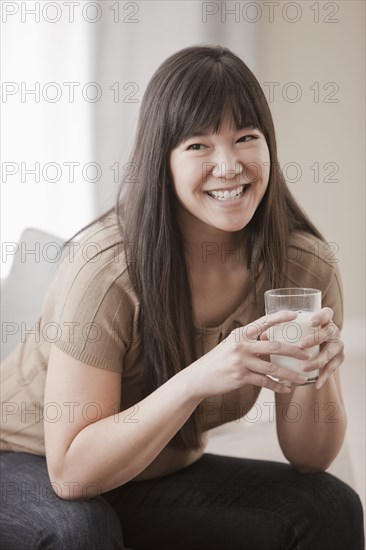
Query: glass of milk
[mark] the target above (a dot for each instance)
(305, 301)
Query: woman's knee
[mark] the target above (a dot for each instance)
(56, 524)
(33, 515)
(337, 495)
(332, 512)
(80, 525)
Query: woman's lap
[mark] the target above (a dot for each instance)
(216, 503)
(223, 502)
(33, 516)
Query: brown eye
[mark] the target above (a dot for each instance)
(245, 138)
(194, 145)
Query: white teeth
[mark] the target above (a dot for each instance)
(227, 195)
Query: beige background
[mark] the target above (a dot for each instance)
(310, 132)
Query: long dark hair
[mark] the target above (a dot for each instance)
(188, 95)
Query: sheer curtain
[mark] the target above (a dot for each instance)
(48, 125)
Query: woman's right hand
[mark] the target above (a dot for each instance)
(240, 359)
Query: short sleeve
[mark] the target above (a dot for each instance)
(95, 307)
(310, 265)
(333, 297)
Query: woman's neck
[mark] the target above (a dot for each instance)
(210, 249)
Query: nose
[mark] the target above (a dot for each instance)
(228, 168)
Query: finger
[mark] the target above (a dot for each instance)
(328, 333)
(270, 369)
(265, 382)
(255, 329)
(325, 315)
(324, 357)
(334, 364)
(260, 347)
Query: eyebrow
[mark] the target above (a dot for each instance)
(201, 134)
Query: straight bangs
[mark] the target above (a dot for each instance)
(205, 96)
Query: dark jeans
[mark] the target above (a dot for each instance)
(217, 503)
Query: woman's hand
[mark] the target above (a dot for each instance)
(327, 335)
(237, 361)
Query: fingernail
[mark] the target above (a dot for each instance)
(320, 383)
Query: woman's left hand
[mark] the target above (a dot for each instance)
(327, 335)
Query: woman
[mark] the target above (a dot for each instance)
(153, 329)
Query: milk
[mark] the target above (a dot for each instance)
(291, 333)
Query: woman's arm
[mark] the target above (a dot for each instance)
(89, 449)
(311, 420)
(311, 425)
(89, 446)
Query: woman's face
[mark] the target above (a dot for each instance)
(220, 179)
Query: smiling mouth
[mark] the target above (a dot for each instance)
(229, 195)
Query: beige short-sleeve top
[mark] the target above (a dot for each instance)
(91, 312)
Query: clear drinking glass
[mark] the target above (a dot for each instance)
(305, 301)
